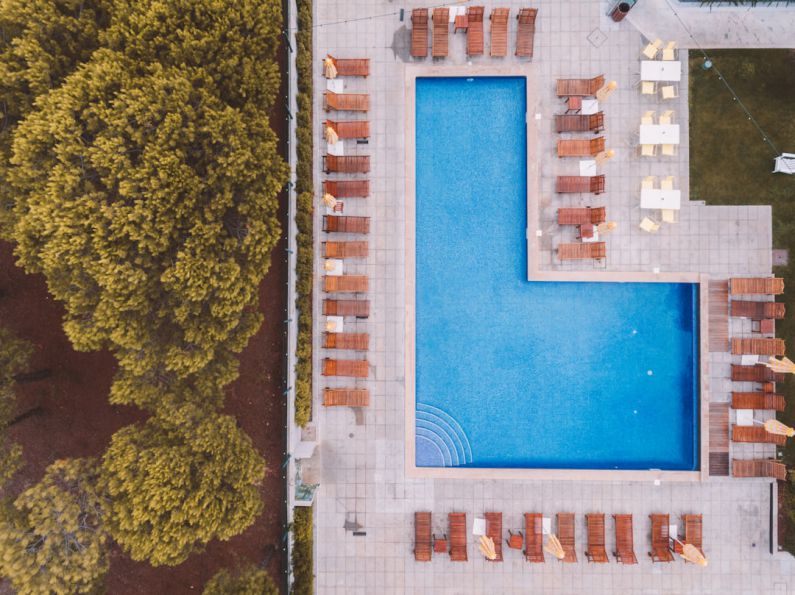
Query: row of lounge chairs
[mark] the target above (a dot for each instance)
(472, 22)
(426, 543)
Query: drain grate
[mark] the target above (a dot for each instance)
(597, 37)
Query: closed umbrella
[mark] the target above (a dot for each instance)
(781, 366)
(692, 554)
(554, 547)
(329, 200)
(331, 135)
(603, 156)
(331, 326)
(329, 69)
(486, 546)
(773, 426)
(604, 228)
(605, 91)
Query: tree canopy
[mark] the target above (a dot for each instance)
(247, 580)
(15, 354)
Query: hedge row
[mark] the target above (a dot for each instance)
(304, 214)
(303, 566)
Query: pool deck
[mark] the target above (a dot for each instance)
(361, 467)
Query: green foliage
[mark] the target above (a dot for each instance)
(14, 358)
(247, 580)
(52, 539)
(177, 481)
(303, 566)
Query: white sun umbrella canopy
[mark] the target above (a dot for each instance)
(785, 164)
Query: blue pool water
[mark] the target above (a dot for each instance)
(517, 374)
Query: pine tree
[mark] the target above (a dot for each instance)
(247, 580)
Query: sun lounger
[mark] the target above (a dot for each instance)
(757, 373)
(441, 32)
(422, 536)
(345, 284)
(419, 33)
(759, 468)
(458, 536)
(758, 346)
(346, 102)
(758, 310)
(346, 397)
(474, 31)
(346, 164)
(351, 66)
(526, 32)
(534, 537)
(566, 536)
(758, 400)
(660, 542)
(756, 285)
(692, 533)
(580, 123)
(580, 87)
(499, 32)
(625, 542)
(582, 251)
(596, 538)
(757, 435)
(576, 184)
(581, 148)
(351, 308)
(494, 530)
(352, 368)
(347, 188)
(345, 249)
(352, 341)
(582, 216)
(346, 224)
(349, 130)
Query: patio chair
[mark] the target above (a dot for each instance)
(499, 32)
(346, 102)
(440, 544)
(668, 215)
(647, 119)
(595, 523)
(757, 310)
(666, 118)
(648, 150)
(693, 533)
(648, 183)
(419, 34)
(669, 52)
(580, 122)
(350, 66)
(758, 400)
(649, 225)
(580, 87)
(582, 251)
(580, 184)
(525, 32)
(534, 540)
(566, 536)
(475, 31)
(582, 215)
(349, 130)
(422, 537)
(758, 346)
(648, 88)
(669, 150)
(458, 536)
(756, 435)
(352, 368)
(441, 32)
(347, 188)
(494, 531)
(669, 92)
(651, 50)
(346, 249)
(349, 341)
(350, 397)
(625, 543)
(581, 147)
(352, 308)
(756, 285)
(660, 541)
(667, 183)
(757, 373)
(345, 284)
(759, 468)
(515, 541)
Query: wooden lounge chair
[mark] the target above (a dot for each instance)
(494, 530)
(580, 87)
(596, 538)
(346, 224)
(756, 435)
(758, 310)
(660, 542)
(352, 308)
(758, 400)
(346, 164)
(759, 468)
(576, 184)
(526, 32)
(346, 397)
(566, 536)
(580, 123)
(458, 535)
(756, 285)
(351, 66)
(419, 32)
(581, 148)
(534, 537)
(693, 533)
(475, 31)
(582, 216)
(345, 249)
(347, 188)
(346, 102)
(345, 284)
(352, 341)
(422, 537)
(349, 130)
(499, 32)
(625, 542)
(352, 368)
(758, 346)
(582, 251)
(441, 32)
(757, 373)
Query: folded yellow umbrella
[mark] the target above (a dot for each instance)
(605, 91)
(691, 554)
(329, 69)
(329, 200)
(782, 366)
(554, 547)
(486, 546)
(773, 426)
(331, 135)
(603, 156)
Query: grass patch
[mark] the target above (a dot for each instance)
(303, 565)
(731, 164)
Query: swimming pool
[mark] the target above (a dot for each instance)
(517, 374)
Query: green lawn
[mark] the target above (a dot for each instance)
(731, 164)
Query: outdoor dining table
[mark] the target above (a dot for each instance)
(659, 134)
(654, 198)
(660, 70)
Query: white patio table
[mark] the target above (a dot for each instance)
(660, 70)
(659, 134)
(654, 198)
